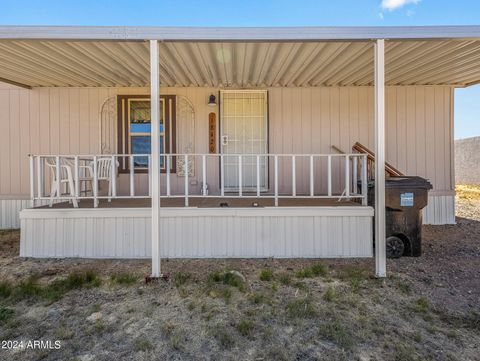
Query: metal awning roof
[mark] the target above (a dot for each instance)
(238, 57)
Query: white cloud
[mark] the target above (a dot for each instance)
(395, 4)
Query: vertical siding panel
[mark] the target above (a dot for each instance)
(440, 144)
(363, 120)
(54, 106)
(322, 106)
(306, 134)
(74, 108)
(44, 134)
(94, 118)
(391, 125)
(64, 117)
(5, 142)
(354, 117)
(401, 136)
(430, 135)
(25, 147)
(334, 118)
(84, 123)
(448, 168)
(14, 138)
(411, 134)
(420, 134)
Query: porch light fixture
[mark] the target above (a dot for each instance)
(212, 101)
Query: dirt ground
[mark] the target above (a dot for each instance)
(427, 309)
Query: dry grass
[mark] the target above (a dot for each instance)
(468, 191)
(249, 309)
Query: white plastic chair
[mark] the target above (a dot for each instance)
(104, 173)
(65, 177)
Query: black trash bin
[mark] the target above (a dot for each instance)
(405, 197)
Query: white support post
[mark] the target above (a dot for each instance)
(185, 170)
(312, 178)
(380, 255)
(364, 181)
(32, 182)
(132, 174)
(155, 155)
(276, 179)
(95, 182)
(329, 175)
(294, 177)
(258, 175)
(167, 165)
(240, 175)
(204, 175)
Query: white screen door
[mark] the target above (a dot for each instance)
(244, 130)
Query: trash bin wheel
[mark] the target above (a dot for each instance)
(394, 247)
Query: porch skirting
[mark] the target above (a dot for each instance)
(283, 232)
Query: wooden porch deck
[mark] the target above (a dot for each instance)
(212, 202)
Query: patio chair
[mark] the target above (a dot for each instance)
(104, 173)
(65, 178)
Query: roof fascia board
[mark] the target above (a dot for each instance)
(129, 33)
(12, 82)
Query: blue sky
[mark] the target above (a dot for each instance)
(261, 13)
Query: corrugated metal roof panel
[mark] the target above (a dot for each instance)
(238, 64)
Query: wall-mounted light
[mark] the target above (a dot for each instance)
(212, 101)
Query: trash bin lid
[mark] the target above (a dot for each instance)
(405, 182)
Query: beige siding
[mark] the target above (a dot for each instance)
(301, 120)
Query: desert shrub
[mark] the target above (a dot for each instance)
(124, 278)
(315, 270)
(335, 331)
(181, 278)
(245, 327)
(301, 308)
(266, 274)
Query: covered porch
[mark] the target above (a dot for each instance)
(311, 200)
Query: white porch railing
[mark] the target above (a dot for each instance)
(76, 177)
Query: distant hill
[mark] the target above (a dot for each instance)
(467, 161)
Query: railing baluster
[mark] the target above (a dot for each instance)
(39, 177)
(149, 166)
(113, 176)
(258, 175)
(354, 174)
(294, 177)
(95, 181)
(185, 170)
(222, 176)
(32, 181)
(76, 176)
(204, 175)
(347, 176)
(364, 180)
(240, 175)
(167, 164)
(132, 174)
(312, 178)
(329, 175)
(57, 174)
(276, 179)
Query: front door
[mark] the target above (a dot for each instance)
(244, 130)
